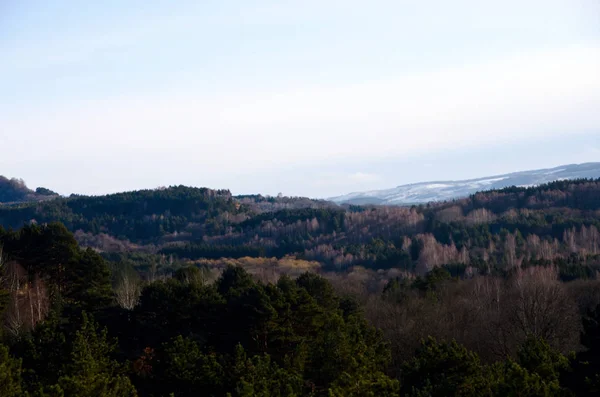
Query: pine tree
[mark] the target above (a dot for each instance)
(91, 371)
(10, 374)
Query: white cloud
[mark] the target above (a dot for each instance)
(508, 100)
(590, 154)
(529, 96)
(364, 177)
(338, 181)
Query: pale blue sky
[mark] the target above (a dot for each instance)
(307, 97)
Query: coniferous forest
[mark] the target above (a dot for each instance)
(195, 292)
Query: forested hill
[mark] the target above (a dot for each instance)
(139, 216)
(15, 191)
(71, 327)
(259, 296)
(499, 228)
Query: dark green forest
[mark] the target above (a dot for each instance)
(69, 331)
(195, 292)
(15, 191)
(555, 224)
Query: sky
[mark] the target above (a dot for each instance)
(309, 98)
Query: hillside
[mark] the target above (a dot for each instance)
(15, 191)
(449, 190)
(197, 292)
(498, 228)
(151, 216)
(496, 311)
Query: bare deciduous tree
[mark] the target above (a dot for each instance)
(541, 306)
(14, 275)
(29, 301)
(128, 290)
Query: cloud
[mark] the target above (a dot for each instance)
(364, 177)
(339, 181)
(528, 96)
(590, 154)
(532, 96)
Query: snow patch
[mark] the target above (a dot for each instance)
(448, 190)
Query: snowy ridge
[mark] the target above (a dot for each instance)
(447, 190)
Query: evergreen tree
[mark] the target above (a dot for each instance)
(90, 370)
(259, 376)
(10, 374)
(444, 369)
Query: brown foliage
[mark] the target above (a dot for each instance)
(490, 315)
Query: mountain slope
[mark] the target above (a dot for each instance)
(448, 190)
(551, 221)
(15, 191)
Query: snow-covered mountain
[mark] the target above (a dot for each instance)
(447, 190)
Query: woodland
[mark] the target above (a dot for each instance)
(185, 291)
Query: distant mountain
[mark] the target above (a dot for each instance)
(447, 190)
(16, 191)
